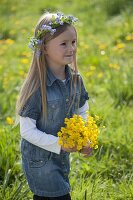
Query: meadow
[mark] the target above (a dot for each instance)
(105, 60)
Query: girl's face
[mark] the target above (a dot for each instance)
(61, 50)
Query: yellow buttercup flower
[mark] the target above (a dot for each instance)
(102, 46)
(120, 45)
(114, 66)
(24, 61)
(77, 132)
(9, 120)
(9, 41)
(129, 37)
(100, 75)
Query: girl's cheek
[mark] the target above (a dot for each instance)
(62, 49)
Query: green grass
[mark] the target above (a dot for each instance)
(105, 47)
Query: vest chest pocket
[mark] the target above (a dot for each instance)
(54, 110)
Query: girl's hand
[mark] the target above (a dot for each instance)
(87, 150)
(74, 149)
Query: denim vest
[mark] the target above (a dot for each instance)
(47, 172)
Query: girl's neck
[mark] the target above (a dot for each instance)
(59, 72)
(60, 75)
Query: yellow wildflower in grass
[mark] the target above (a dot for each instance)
(22, 73)
(77, 132)
(85, 46)
(102, 46)
(114, 66)
(100, 75)
(9, 41)
(26, 54)
(9, 120)
(129, 37)
(24, 61)
(90, 73)
(92, 68)
(120, 45)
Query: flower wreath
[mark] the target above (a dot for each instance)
(50, 28)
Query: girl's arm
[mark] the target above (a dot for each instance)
(32, 134)
(82, 111)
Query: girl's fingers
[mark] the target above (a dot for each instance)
(86, 155)
(69, 149)
(86, 151)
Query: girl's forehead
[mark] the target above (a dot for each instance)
(69, 33)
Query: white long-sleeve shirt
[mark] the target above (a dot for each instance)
(31, 133)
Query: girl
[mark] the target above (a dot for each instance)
(52, 91)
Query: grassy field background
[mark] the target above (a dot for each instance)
(105, 60)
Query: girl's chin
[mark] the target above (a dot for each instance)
(69, 62)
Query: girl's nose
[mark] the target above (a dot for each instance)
(71, 48)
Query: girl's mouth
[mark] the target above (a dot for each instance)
(69, 55)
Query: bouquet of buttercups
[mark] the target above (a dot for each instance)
(78, 132)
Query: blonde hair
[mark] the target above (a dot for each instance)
(36, 76)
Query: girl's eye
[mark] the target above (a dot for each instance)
(63, 44)
(74, 42)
